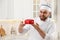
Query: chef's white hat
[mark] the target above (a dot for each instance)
(45, 6)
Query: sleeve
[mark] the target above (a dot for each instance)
(26, 29)
(52, 34)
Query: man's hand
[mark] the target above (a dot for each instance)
(21, 25)
(35, 25)
(40, 31)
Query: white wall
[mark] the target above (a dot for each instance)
(16, 9)
(3, 8)
(10, 9)
(58, 15)
(58, 18)
(23, 9)
(6, 9)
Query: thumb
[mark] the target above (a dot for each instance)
(21, 21)
(37, 24)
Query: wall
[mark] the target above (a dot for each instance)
(58, 15)
(58, 18)
(23, 9)
(15, 9)
(3, 8)
(6, 9)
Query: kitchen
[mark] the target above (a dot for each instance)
(13, 11)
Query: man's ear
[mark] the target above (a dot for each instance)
(50, 14)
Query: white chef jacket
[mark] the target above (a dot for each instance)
(47, 26)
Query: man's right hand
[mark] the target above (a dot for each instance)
(21, 25)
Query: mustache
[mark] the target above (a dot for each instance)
(43, 16)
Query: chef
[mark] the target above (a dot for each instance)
(43, 28)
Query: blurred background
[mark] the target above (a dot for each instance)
(21, 9)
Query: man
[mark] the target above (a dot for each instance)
(43, 25)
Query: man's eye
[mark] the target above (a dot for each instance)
(40, 11)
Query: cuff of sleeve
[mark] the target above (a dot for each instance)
(48, 37)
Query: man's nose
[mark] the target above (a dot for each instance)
(41, 13)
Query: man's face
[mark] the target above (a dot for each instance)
(44, 14)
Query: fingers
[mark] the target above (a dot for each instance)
(21, 21)
(37, 24)
(22, 24)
